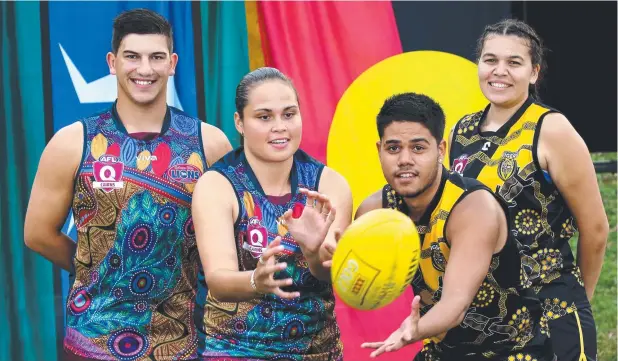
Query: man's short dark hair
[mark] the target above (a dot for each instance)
(412, 107)
(140, 21)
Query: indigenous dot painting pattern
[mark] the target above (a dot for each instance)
(506, 161)
(136, 265)
(269, 327)
(503, 317)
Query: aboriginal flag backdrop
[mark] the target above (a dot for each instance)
(344, 57)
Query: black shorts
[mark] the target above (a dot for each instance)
(541, 352)
(574, 336)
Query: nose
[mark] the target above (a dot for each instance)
(279, 125)
(406, 158)
(144, 69)
(500, 69)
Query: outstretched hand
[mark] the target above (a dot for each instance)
(403, 336)
(310, 229)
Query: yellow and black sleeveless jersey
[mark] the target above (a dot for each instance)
(506, 161)
(504, 318)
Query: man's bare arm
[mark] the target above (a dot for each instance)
(52, 195)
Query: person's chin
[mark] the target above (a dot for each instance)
(502, 98)
(144, 99)
(407, 192)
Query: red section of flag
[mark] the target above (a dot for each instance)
(374, 326)
(324, 47)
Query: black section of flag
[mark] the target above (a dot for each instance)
(581, 36)
(581, 76)
(452, 27)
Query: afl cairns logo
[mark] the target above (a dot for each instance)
(256, 240)
(107, 173)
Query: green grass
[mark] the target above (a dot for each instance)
(604, 302)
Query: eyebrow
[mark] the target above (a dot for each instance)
(131, 52)
(413, 140)
(419, 140)
(510, 57)
(270, 110)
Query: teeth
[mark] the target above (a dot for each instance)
(498, 85)
(143, 82)
(405, 175)
(279, 141)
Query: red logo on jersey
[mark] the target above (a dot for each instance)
(257, 238)
(297, 210)
(108, 173)
(460, 163)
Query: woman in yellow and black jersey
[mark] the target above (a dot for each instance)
(531, 156)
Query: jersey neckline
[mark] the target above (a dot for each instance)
(120, 126)
(504, 128)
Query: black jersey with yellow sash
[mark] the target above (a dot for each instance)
(504, 318)
(506, 161)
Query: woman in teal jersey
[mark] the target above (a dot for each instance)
(265, 220)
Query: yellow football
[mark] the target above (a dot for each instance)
(375, 259)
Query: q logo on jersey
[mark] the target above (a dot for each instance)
(460, 163)
(184, 173)
(108, 173)
(257, 238)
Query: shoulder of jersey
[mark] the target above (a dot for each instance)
(231, 157)
(305, 157)
(470, 119)
(177, 111)
(101, 114)
(463, 182)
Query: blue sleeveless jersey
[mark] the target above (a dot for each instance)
(269, 327)
(136, 264)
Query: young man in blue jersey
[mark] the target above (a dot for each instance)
(127, 173)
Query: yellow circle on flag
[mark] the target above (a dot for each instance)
(447, 78)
